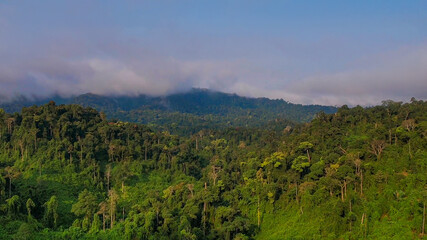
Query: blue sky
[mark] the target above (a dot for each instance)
(323, 52)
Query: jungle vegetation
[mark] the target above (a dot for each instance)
(70, 172)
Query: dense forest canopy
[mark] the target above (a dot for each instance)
(67, 172)
(187, 113)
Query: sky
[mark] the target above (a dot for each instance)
(310, 52)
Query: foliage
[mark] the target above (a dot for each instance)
(69, 173)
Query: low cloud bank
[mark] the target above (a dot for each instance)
(399, 75)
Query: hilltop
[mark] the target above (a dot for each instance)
(189, 112)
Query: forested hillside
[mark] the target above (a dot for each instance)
(67, 172)
(190, 112)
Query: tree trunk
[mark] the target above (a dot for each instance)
(108, 177)
(366, 225)
(204, 213)
(342, 193)
(350, 212)
(296, 192)
(111, 218)
(10, 187)
(21, 145)
(157, 217)
(361, 183)
(81, 154)
(345, 188)
(361, 221)
(258, 212)
(103, 221)
(424, 219)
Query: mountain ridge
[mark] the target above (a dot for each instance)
(190, 111)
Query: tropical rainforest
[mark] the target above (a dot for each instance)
(71, 172)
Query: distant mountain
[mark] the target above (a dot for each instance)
(189, 112)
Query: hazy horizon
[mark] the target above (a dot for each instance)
(41, 99)
(326, 53)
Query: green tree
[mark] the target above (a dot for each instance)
(29, 204)
(306, 147)
(86, 207)
(12, 205)
(51, 211)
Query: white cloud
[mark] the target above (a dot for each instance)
(397, 75)
(110, 65)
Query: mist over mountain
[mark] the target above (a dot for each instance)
(188, 112)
